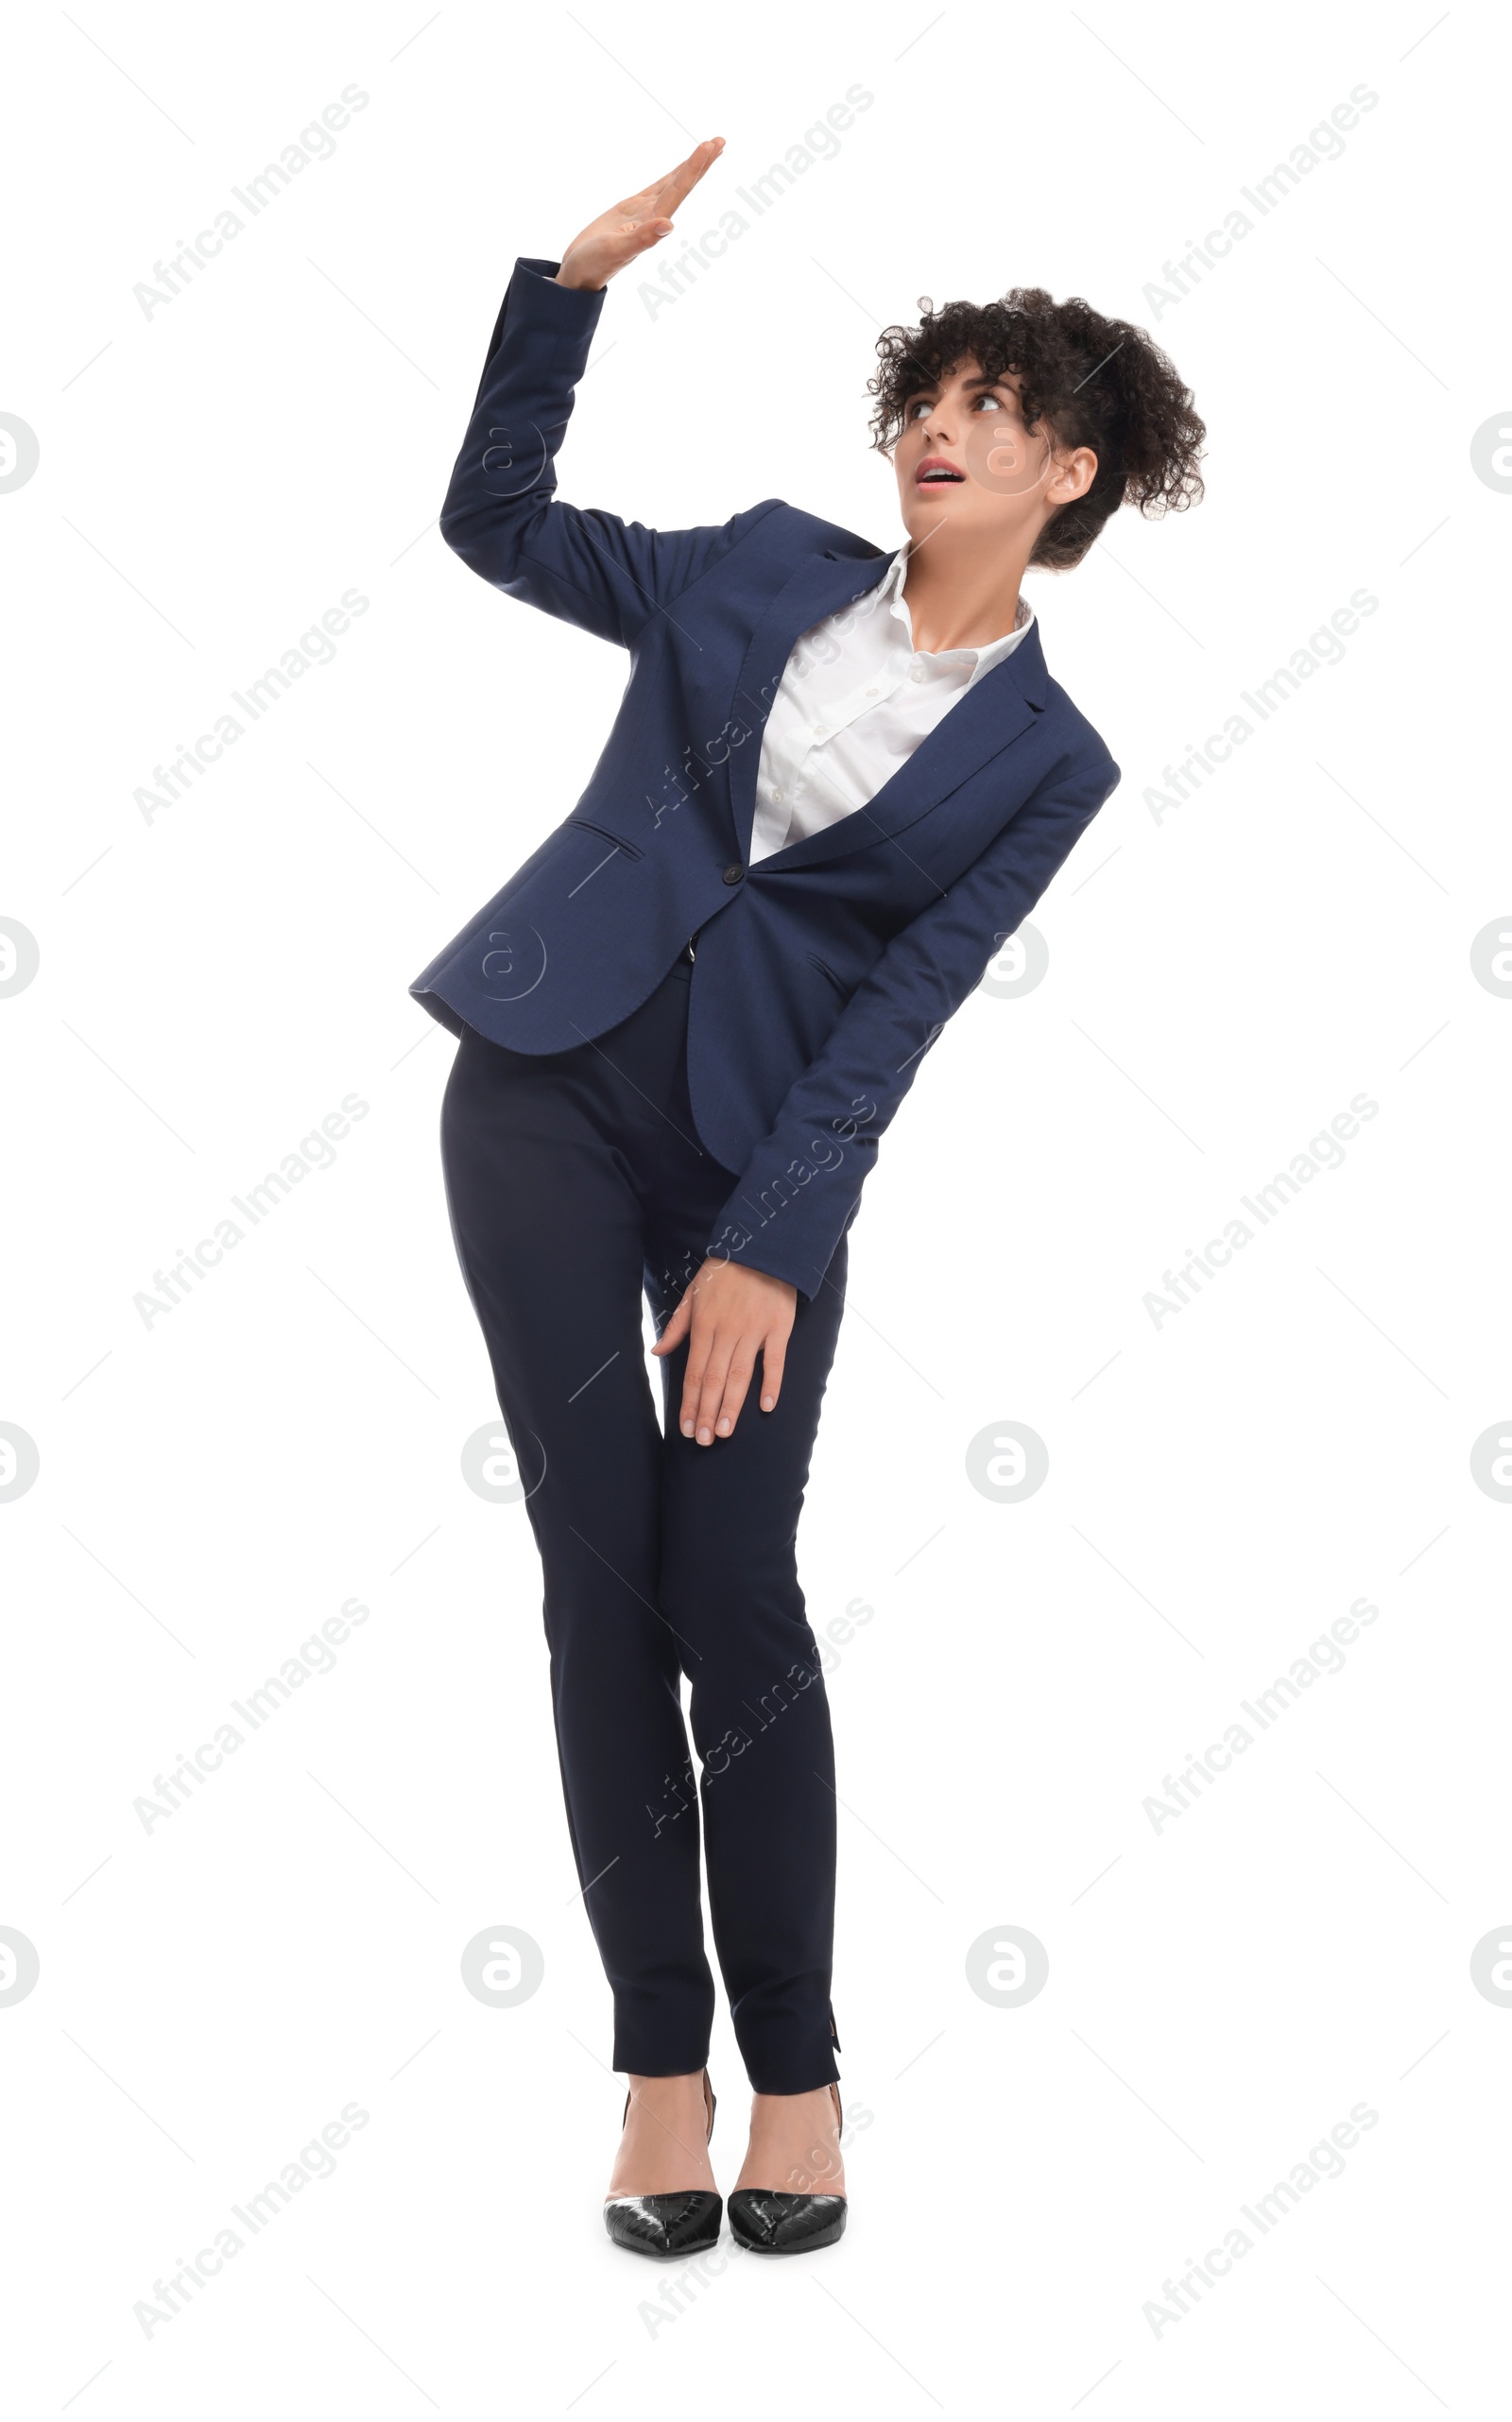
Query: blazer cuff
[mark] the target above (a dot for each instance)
(530, 270)
(533, 300)
(791, 1229)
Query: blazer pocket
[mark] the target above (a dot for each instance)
(586, 824)
(843, 990)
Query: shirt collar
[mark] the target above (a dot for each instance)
(981, 659)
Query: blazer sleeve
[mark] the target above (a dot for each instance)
(502, 514)
(802, 1184)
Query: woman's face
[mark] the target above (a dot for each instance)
(965, 460)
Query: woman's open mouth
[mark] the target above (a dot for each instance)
(935, 468)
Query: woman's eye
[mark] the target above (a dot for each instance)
(920, 403)
(993, 403)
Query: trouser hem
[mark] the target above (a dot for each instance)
(797, 2079)
(654, 2060)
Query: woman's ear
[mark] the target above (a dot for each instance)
(1074, 475)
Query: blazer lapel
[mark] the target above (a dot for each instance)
(821, 584)
(1003, 703)
(991, 713)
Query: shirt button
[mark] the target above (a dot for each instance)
(916, 672)
(818, 731)
(776, 795)
(871, 693)
(735, 873)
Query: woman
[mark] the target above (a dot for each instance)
(840, 779)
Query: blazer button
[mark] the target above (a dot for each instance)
(735, 873)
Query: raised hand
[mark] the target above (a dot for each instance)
(632, 226)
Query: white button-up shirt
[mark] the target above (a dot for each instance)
(855, 700)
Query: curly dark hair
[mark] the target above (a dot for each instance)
(1094, 382)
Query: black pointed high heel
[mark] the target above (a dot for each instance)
(667, 2227)
(766, 2222)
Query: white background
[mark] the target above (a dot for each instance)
(1222, 1487)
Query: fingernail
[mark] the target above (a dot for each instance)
(687, 1428)
(724, 1425)
(768, 1402)
(704, 1437)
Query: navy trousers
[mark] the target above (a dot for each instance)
(575, 1181)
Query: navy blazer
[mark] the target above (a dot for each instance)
(823, 973)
